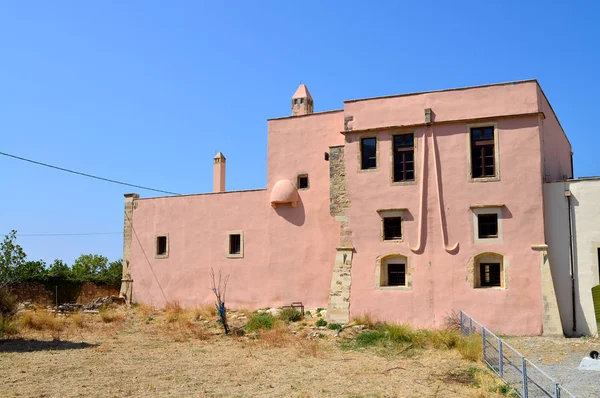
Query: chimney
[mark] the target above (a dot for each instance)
(219, 173)
(302, 102)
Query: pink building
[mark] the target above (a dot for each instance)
(406, 207)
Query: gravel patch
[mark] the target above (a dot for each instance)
(560, 358)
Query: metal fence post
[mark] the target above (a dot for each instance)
(524, 372)
(470, 325)
(556, 391)
(500, 360)
(461, 323)
(483, 342)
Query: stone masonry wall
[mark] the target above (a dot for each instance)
(38, 294)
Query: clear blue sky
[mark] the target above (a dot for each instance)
(147, 91)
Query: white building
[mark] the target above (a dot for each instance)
(572, 224)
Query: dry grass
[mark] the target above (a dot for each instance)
(367, 320)
(173, 311)
(42, 320)
(110, 315)
(183, 357)
(470, 347)
(8, 326)
(205, 311)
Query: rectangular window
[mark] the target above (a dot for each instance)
(368, 153)
(487, 225)
(392, 228)
(396, 274)
(599, 262)
(235, 244)
(302, 181)
(490, 275)
(482, 152)
(404, 157)
(161, 245)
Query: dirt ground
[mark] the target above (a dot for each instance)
(146, 355)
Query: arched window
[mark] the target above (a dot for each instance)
(393, 272)
(488, 271)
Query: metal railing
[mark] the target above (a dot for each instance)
(526, 379)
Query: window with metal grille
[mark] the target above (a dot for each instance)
(396, 274)
(404, 157)
(487, 225)
(482, 152)
(490, 275)
(161, 245)
(392, 228)
(235, 243)
(368, 153)
(303, 181)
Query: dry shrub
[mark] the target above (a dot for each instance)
(42, 320)
(205, 311)
(8, 327)
(444, 339)
(144, 309)
(183, 330)
(78, 320)
(173, 311)
(310, 347)
(367, 320)
(8, 304)
(109, 315)
(452, 321)
(470, 347)
(277, 336)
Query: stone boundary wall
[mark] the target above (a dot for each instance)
(38, 294)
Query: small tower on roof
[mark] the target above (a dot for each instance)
(302, 102)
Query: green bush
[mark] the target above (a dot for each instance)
(260, 321)
(334, 326)
(321, 322)
(290, 315)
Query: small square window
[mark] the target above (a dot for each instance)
(396, 274)
(162, 247)
(487, 226)
(490, 275)
(302, 181)
(392, 228)
(368, 153)
(235, 244)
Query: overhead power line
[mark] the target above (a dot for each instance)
(74, 234)
(87, 175)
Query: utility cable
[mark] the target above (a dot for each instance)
(74, 234)
(87, 175)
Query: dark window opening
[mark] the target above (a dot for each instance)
(599, 261)
(490, 275)
(392, 228)
(161, 245)
(404, 157)
(235, 244)
(368, 153)
(482, 152)
(487, 225)
(396, 274)
(301, 100)
(303, 181)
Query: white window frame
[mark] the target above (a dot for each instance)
(487, 209)
(227, 246)
(386, 213)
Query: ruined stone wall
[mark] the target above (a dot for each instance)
(37, 293)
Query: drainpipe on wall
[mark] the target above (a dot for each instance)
(572, 261)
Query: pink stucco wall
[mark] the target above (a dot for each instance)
(557, 148)
(289, 253)
(439, 282)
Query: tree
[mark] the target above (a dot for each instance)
(59, 270)
(113, 274)
(30, 271)
(88, 266)
(11, 257)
